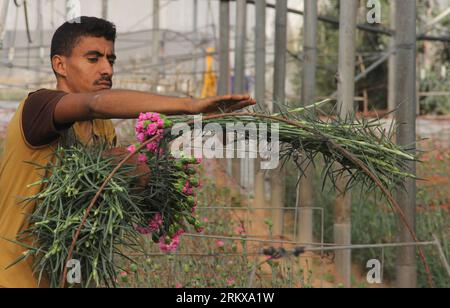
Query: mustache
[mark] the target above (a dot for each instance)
(107, 79)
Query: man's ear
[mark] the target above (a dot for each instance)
(59, 65)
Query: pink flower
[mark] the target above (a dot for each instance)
(142, 158)
(131, 149)
(220, 244)
(199, 161)
(439, 157)
(152, 146)
(240, 230)
(169, 247)
(152, 129)
(160, 123)
(154, 117)
(139, 127)
(143, 230)
(178, 285)
(140, 137)
(205, 220)
(426, 158)
(231, 282)
(156, 222)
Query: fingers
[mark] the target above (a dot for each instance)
(234, 97)
(241, 105)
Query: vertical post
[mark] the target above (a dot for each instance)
(239, 56)
(195, 38)
(260, 89)
(405, 78)
(346, 93)
(40, 29)
(3, 16)
(260, 52)
(155, 45)
(391, 79)
(224, 48)
(279, 96)
(105, 9)
(305, 190)
(239, 66)
(224, 57)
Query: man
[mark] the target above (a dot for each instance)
(82, 57)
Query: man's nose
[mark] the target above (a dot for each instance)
(106, 68)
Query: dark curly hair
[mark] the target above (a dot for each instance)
(68, 34)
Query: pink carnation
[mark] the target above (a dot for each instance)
(156, 222)
(169, 247)
(143, 230)
(131, 149)
(139, 127)
(152, 129)
(142, 158)
(141, 137)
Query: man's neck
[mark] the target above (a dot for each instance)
(61, 86)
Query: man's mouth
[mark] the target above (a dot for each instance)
(105, 84)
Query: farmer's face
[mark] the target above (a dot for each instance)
(90, 66)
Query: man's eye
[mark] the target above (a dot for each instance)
(112, 62)
(93, 60)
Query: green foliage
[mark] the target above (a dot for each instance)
(439, 105)
(373, 222)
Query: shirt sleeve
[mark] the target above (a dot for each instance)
(38, 124)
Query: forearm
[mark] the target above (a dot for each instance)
(125, 104)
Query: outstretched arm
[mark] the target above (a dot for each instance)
(125, 104)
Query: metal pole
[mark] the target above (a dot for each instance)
(195, 38)
(40, 30)
(224, 58)
(346, 93)
(260, 53)
(279, 96)
(405, 79)
(305, 190)
(239, 69)
(391, 79)
(3, 16)
(155, 45)
(260, 90)
(239, 56)
(224, 48)
(279, 92)
(105, 9)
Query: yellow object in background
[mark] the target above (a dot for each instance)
(209, 78)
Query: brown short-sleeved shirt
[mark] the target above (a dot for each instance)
(38, 123)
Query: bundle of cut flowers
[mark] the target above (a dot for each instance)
(164, 206)
(158, 201)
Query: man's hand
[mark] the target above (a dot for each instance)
(219, 104)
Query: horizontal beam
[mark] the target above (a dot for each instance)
(362, 27)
